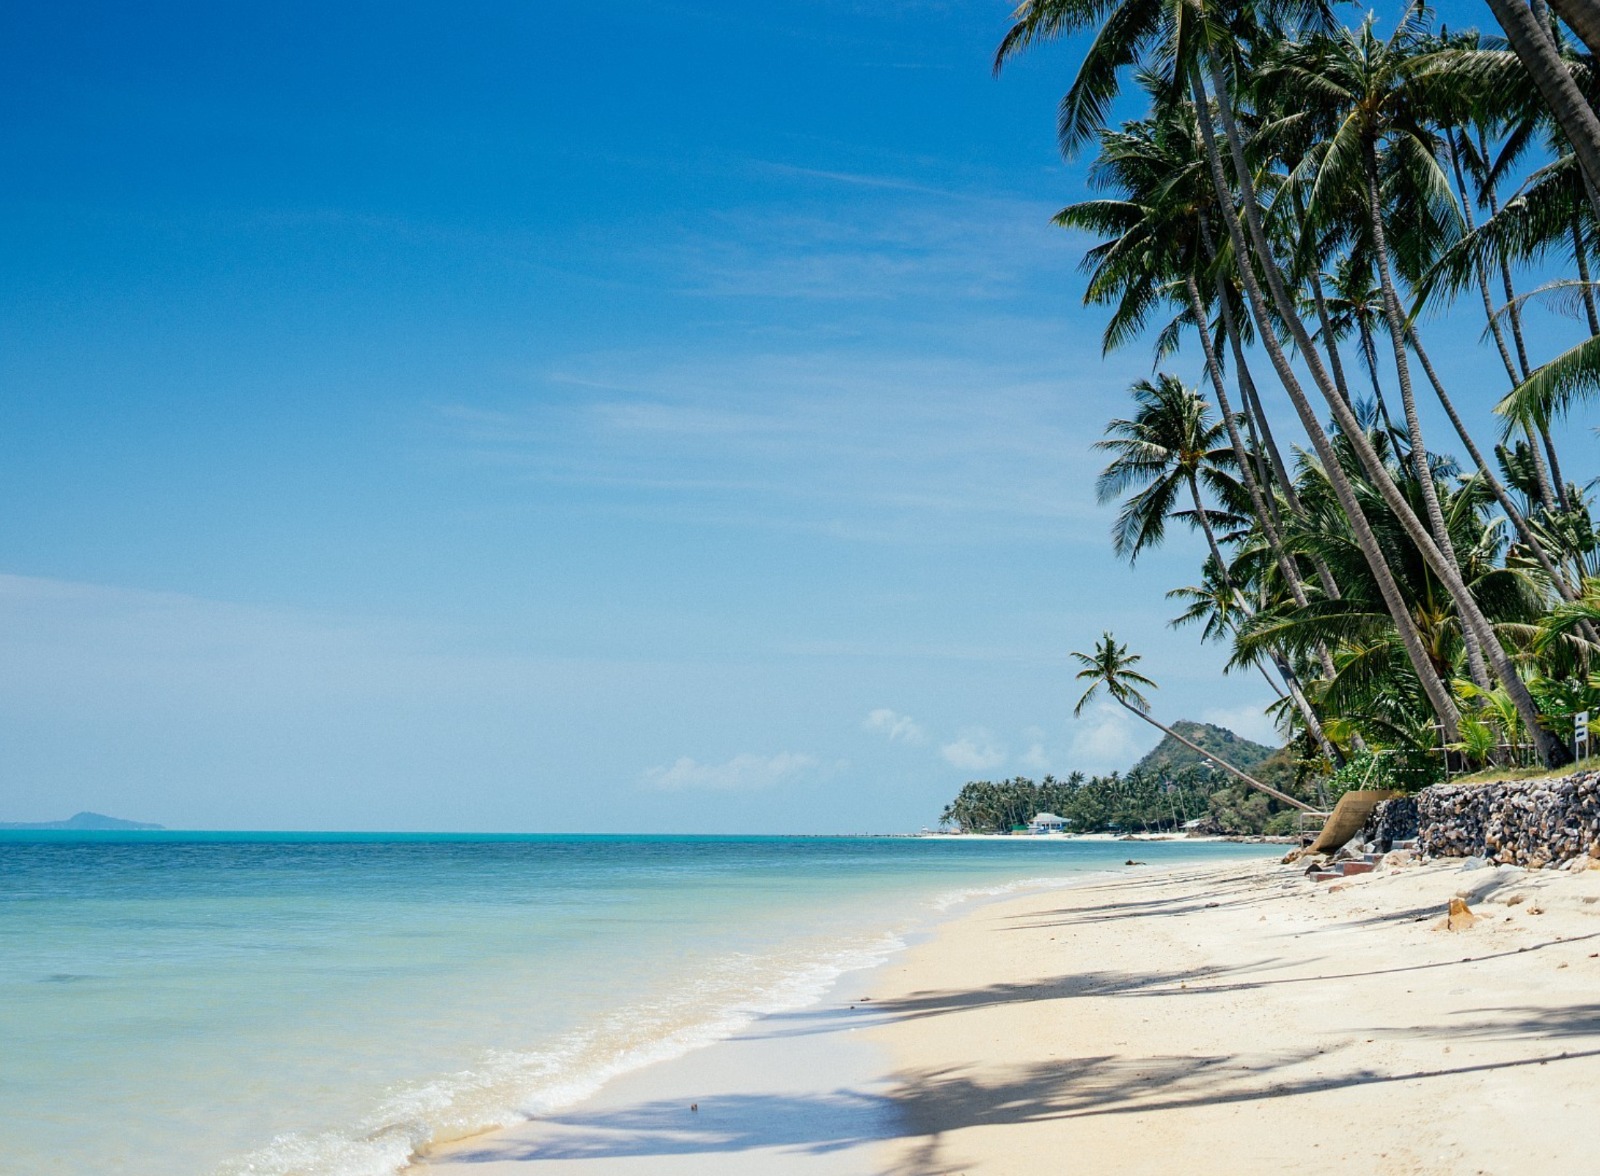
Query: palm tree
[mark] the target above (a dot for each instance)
(1110, 667)
(1572, 617)
(1196, 44)
(1167, 448)
(1138, 27)
(1354, 303)
(1541, 57)
(1170, 446)
(1378, 100)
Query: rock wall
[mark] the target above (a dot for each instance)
(1391, 821)
(1524, 822)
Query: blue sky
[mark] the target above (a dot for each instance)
(660, 416)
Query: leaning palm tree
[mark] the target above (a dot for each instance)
(1110, 667)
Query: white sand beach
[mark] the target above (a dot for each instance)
(1236, 1018)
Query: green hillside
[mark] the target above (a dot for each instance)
(1171, 756)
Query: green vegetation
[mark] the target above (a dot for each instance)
(1170, 756)
(1301, 201)
(1170, 787)
(1401, 769)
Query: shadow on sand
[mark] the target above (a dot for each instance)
(923, 1105)
(919, 1107)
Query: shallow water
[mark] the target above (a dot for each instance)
(323, 1004)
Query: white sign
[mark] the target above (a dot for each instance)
(1580, 726)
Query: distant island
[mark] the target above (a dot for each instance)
(93, 821)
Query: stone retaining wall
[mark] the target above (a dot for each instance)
(1524, 822)
(1391, 821)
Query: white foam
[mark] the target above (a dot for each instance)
(506, 1086)
(953, 898)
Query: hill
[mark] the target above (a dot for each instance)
(92, 821)
(1171, 756)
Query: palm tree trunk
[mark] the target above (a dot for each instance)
(1584, 19)
(1550, 491)
(1408, 397)
(1329, 343)
(1443, 704)
(1552, 750)
(1486, 471)
(1477, 263)
(1319, 300)
(1541, 470)
(1540, 58)
(1557, 483)
(1197, 311)
(1291, 574)
(1258, 461)
(1580, 255)
(1513, 308)
(1247, 387)
(1369, 352)
(1284, 797)
(1285, 670)
(1397, 335)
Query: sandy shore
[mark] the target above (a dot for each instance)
(1234, 1018)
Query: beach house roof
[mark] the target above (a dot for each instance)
(1049, 819)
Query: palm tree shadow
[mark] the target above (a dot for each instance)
(922, 1106)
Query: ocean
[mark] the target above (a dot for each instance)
(219, 1004)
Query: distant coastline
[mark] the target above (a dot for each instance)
(86, 820)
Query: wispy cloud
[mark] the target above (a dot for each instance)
(869, 180)
(874, 446)
(974, 752)
(908, 242)
(877, 358)
(742, 773)
(893, 725)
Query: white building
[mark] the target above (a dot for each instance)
(1047, 823)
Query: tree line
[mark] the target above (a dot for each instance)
(1132, 802)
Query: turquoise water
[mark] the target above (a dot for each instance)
(326, 1004)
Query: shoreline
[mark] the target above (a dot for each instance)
(1226, 1018)
(818, 1064)
(1185, 838)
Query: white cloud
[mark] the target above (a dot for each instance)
(743, 773)
(1249, 722)
(1107, 739)
(894, 725)
(1035, 759)
(976, 752)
